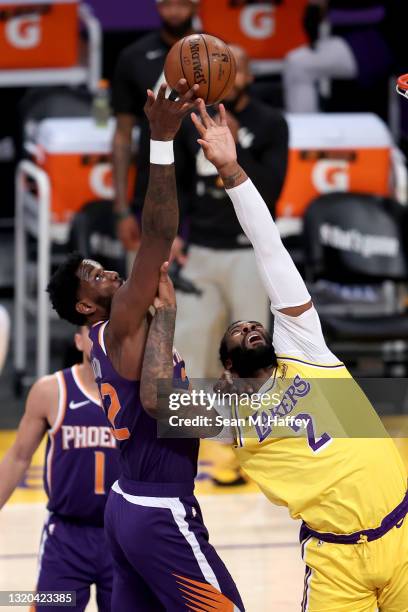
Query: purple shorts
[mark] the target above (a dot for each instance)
(71, 558)
(162, 559)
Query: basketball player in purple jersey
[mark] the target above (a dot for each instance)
(162, 557)
(81, 463)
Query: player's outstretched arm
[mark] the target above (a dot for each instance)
(283, 283)
(297, 329)
(160, 211)
(156, 383)
(32, 428)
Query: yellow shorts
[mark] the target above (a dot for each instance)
(357, 577)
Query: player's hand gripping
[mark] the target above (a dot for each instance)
(166, 296)
(165, 115)
(215, 138)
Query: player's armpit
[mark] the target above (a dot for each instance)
(301, 336)
(296, 311)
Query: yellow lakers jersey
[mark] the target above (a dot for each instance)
(312, 441)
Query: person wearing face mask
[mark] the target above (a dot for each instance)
(140, 67)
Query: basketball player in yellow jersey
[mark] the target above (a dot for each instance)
(350, 492)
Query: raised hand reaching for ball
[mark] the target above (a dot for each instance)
(164, 114)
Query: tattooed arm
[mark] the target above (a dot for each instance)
(156, 384)
(159, 221)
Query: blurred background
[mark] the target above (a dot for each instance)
(319, 128)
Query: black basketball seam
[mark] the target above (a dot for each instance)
(181, 61)
(229, 76)
(209, 69)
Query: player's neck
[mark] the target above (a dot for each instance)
(87, 378)
(263, 374)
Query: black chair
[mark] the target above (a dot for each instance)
(356, 266)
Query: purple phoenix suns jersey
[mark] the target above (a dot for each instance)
(144, 457)
(81, 460)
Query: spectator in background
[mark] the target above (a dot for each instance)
(220, 260)
(359, 47)
(140, 66)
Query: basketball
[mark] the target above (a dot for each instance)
(205, 60)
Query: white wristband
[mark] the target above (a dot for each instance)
(161, 152)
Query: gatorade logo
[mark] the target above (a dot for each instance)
(100, 180)
(258, 21)
(24, 31)
(331, 175)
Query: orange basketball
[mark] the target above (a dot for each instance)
(203, 60)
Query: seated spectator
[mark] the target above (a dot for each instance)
(360, 47)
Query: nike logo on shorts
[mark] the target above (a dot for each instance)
(75, 405)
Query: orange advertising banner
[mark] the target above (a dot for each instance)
(35, 35)
(77, 179)
(265, 30)
(314, 172)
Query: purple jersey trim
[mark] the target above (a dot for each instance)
(368, 535)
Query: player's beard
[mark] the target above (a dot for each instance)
(180, 30)
(246, 362)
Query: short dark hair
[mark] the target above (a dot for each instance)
(63, 289)
(223, 350)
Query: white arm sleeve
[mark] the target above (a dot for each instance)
(280, 276)
(295, 336)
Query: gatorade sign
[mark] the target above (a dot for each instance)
(334, 152)
(313, 173)
(31, 34)
(24, 32)
(100, 180)
(331, 175)
(258, 21)
(265, 30)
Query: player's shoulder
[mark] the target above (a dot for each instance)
(44, 391)
(290, 366)
(46, 384)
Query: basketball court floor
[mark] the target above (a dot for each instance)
(257, 541)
